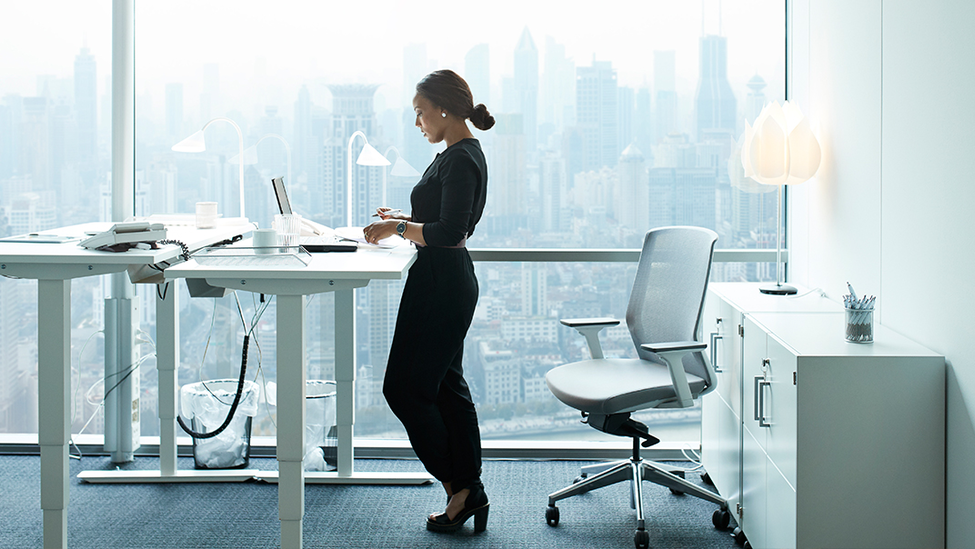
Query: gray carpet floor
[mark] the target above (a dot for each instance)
(244, 515)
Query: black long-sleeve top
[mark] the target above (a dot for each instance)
(449, 198)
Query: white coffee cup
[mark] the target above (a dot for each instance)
(265, 241)
(206, 215)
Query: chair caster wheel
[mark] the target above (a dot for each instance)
(721, 519)
(707, 479)
(739, 536)
(578, 479)
(676, 492)
(552, 515)
(641, 539)
(748, 545)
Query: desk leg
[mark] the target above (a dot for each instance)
(54, 404)
(291, 417)
(345, 378)
(167, 364)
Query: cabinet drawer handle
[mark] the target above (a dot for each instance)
(757, 391)
(714, 352)
(762, 421)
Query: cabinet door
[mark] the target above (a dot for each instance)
(728, 455)
(753, 490)
(780, 407)
(754, 368)
(726, 353)
(780, 514)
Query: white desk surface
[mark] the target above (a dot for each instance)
(364, 264)
(35, 260)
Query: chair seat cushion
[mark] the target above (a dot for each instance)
(613, 385)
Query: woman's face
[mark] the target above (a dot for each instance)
(429, 119)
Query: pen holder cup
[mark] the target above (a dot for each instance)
(859, 325)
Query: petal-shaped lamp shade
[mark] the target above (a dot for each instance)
(192, 144)
(371, 157)
(781, 148)
(402, 168)
(736, 169)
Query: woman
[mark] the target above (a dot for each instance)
(424, 382)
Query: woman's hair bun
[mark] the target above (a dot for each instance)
(481, 118)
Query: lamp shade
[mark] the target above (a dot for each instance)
(780, 149)
(371, 157)
(402, 168)
(192, 144)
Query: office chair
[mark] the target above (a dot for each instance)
(663, 316)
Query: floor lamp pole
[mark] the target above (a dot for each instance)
(779, 288)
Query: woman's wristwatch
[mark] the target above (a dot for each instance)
(401, 228)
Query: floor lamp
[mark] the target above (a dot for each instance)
(780, 150)
(197, 143)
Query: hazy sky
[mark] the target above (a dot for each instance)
(279, 44)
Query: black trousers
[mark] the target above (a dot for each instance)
(424, 384)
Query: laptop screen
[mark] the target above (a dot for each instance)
(284, 205)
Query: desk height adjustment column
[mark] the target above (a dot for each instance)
(291, 417)
(54, 410)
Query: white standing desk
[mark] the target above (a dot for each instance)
(53, 266)
(339, 272)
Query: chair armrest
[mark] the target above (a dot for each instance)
(589, 328)
(582, 322)
(675, 346)
(672, 353)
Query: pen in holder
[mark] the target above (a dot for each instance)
(859, 317)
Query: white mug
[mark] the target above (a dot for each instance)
(265, 241)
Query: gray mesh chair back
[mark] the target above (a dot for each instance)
(668, 293)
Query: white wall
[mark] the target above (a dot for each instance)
(888, 86)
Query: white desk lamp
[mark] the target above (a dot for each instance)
(401, 168)
(368, 157)
(250, 153)
(780, 150)
(197, 143)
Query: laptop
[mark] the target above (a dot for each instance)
(317, 243)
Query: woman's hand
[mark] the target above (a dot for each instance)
(379, 230)
(389, 213)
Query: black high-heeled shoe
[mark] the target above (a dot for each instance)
(476, 505)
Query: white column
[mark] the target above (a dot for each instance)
(345, 377)
(167, 365)
(291, 417)
(54, 404)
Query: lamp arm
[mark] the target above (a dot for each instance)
(240, 163)
(348, 189)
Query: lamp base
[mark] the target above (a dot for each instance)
(779, 289)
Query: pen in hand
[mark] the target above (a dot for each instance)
(388, 212)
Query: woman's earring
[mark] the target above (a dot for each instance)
(443, 114)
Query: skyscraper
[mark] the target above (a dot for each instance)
(557, 87)
(416, 149)
(86, 106)
(554, 190)
(665, 94)
(477, 73)
(508, 197)
(174, 112)
(715, 104)
(352, 111)
(633, 199)
(596, 114)
(526, 86)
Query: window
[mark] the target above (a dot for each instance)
(610, 121)
(55, 121)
